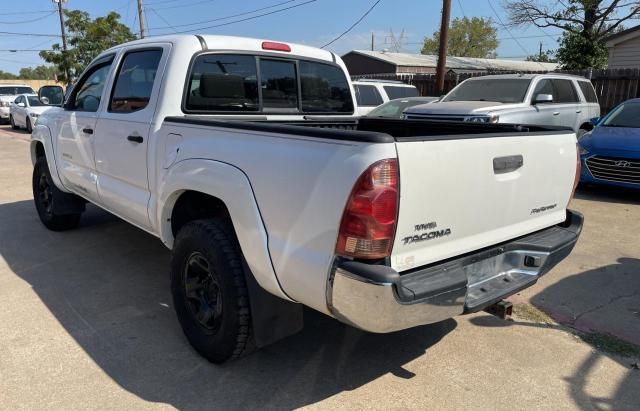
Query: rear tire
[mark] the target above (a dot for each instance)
(29, 128)
(45, 194)
(210, 292)
(13, 123)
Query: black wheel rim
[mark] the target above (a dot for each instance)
(45, 195)
(202, 290)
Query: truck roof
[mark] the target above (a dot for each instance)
(528, 76)
(233, 43)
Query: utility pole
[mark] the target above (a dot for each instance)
(141, 18)
(540, 50)
(442, 51)
(372, 42)
(65, 62)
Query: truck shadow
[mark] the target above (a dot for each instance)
(609, 194)
(107, 284)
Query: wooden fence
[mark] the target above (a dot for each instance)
(612, 86)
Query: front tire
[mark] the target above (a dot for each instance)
(29, 128)
(210, 292)
(46, 194)
(13, 123)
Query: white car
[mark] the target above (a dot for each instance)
(244, 158)
(25, 110)
(373, 93)
(8, 93)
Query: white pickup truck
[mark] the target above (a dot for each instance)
(244, 158)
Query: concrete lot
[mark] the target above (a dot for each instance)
(86, 323)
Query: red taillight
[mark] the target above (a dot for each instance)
(271, 45)
(369, 220)
(576, 179)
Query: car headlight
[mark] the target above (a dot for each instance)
(34, 115)
(583, 151)
(4, 104)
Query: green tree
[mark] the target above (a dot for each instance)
(38, 73)
(548, 56)
(87, 39)
(7, 76)
(585, 24)
(468, 37)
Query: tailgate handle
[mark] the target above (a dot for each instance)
(507, 164)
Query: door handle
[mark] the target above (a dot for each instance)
(555, 113)
(507, 164)
(135, 139)
(87, 130)
(578, 111)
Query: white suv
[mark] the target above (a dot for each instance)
(372, 93)
(8, 93)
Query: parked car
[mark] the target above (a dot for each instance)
(610, 153)
(25, 110)
(541, 99)
(8, 93)
(395, 108)
(372, 93)
(272, 196)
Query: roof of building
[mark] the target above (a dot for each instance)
(456, 63)
(622, 36)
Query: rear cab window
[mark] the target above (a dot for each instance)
(395, 92)
(240, 83)
(587, 91)
(367, 95)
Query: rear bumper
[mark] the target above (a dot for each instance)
(377, 298)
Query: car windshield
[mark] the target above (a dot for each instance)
(13, 91)
(34, 101)
(499, 90)
(625, 115)
(395, 108)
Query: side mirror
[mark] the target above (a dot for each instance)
(594, 121)
(542, 99)
(51, 95)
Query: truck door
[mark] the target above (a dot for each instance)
(76, 129)
(567, 103)
(122, 142)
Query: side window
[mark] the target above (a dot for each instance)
(544, 87)
(395, 92)
(279, 84)
(588, 91)
(223, 82)
(90, 90)
(564, 92)
(132, 89)
(18, 100)
(367, 96)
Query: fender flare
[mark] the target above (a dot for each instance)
(231, 185)
(42, 134)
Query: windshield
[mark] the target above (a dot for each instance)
(395, 108)
(13, 91)
(499, 90)
(625, 115)
(34, 101)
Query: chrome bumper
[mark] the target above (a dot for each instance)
(376, 298)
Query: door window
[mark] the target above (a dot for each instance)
(395, 92)
(564, 91)
(368, 96)
(588, 91)
(18, 100)
(90, 89)
(132, 89)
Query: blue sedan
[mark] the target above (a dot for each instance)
(610, 153)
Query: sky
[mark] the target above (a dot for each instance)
(312, 22)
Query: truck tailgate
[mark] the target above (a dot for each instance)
(465, 193)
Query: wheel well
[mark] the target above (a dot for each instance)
(193, 205)
(39, 150)
(586, 126)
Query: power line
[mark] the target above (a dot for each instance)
(248, 18)
(28, 21)
(226, 17)
(506, 28)
(15, 13)
(161, 18)
(353, 25)
(185, 5)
